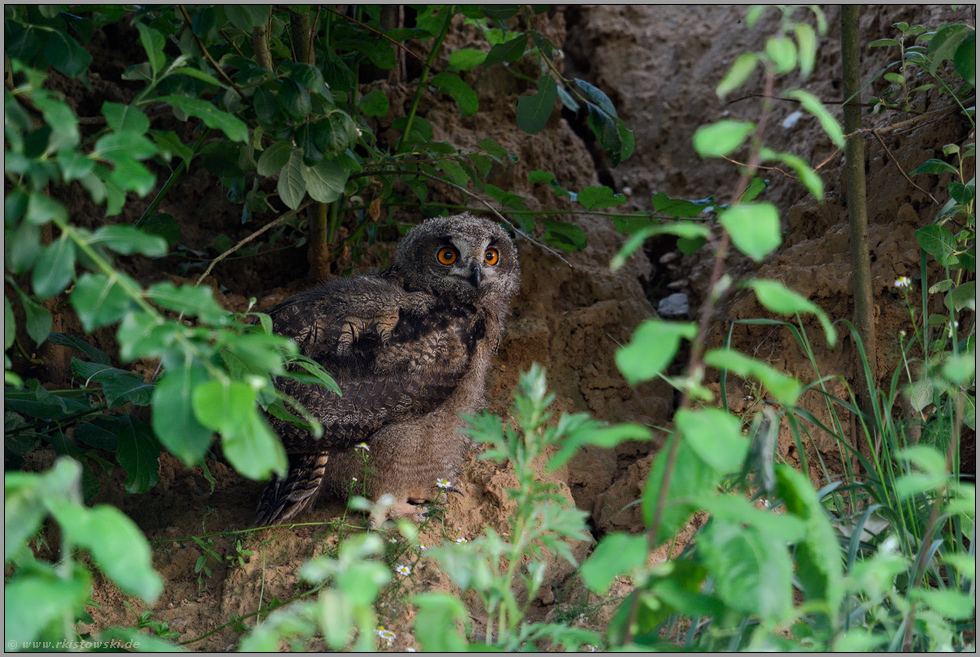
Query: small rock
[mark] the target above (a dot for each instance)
(676, 305)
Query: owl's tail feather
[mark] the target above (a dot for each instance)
(284, 498)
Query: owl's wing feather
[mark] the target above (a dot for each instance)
(406, 373)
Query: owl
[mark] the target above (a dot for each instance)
(410, 348)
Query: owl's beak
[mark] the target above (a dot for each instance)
(475, 274)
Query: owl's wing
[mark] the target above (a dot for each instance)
(406, 373)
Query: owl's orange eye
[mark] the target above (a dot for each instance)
(446, 255)
(491, 256)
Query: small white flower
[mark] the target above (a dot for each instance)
(951, 328)
(443, 483)
(404, 571)
(354, 479)
(902, 333)
(461, 541)
(385, 635)
(588, 647)
(362, 446)
(409, 649)
(392, 540)
(422, 548)
(903, 281)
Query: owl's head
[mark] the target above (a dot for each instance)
(465, 257)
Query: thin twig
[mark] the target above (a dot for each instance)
(200, 44)
(376, 31)
(249, 238)
(900, 169)
(742, 164)
(794, 100)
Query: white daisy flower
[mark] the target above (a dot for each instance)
(461, 541)
(362, 446)
(404, 571)
(903, 281)
(385, 635)
(443, 483)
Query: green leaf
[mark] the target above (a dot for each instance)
(965, 59)
(116, 544)
(818, 557)
(879, 43)
(325, 181)
(653, 347)
(128, 240)
(142, 335)
(9, 325)
(119, 386)
(534, 111)
(563, 234)
(939, 242)
(782, 52)
(374, 103)
(715, 436)
(934, 166)
(21, 247)
(592, 434)
(37, 319)
(780, 299)
(174, 421)
(679, 208)
(138, 452)
(783, 528)
(233, 127)
(508, 51)
(946, 42)
(195, 301)
(932, 475)
(295, 99)
(754, 228)
(274, 157)
(961, 193)
(741, 69)
(122, 147)
(806, 38)
(807, 176)
(246, 17)
(684, 230)
(947, 602)
(41, 209)
(466, 58)
(125, 118)
(595, 198)
(963, 296)
(52, 598)
(616, 554)
(753, 573)
(813, 105)
(443, 611)
(461, 92)
(66, 55)
(54, 268)
(784, 388)
(93, 354)
(494, 150)
(690, 478)
(721, 138)
(99, 300)
(291, 186)
(247, 441)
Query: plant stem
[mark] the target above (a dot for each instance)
(424, 78)
(174, 175)
(857, 208)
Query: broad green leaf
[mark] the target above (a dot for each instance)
(74, 164)
(616, 554)
(563, 234)
(946, 42)
(119, 386)
(963, 296)
(125, 118)
(41, 209)
(116, 544)
(931, 475)
(939, 242)
(934, 166)
(813, 105)
(963, 194)
(466, 58)
(325, 181)
(780, 299)
(295, 99)
(174, 421)
(960, 368)
(784, 528)
(128, 240)
(721, 138)
(880, 43)
(592, 434)
(494, 150)
(595, 198)
(462, 93)
(99, 300)
(508, 51)
(274, 157)
(93, 354)
(753, 227)
(690, 478)
(818, 557)
(374, 103)
(752, 573)
(54, 268)
(949, 603)
(9, 325)
(678, 208)
(52, 598)
(653, 347)
(534, 111)
(784, 388)
(715, 436)
(245, 17)
(291, 186)
(596, 96)
(741, 69)
(684, 230)
(233, 127)
(806, 39)
(66, 55)
(122, 147)
(195, 301)
(142, 335)
(21, 247)
(807, 176)
(444, 611)
(965, 59)
(611, 133)
(37, 319)
(138, 452)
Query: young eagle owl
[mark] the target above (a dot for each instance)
(410, 349)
